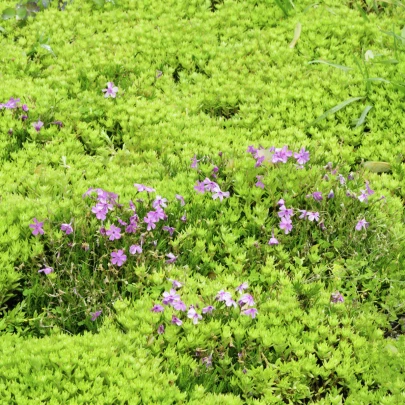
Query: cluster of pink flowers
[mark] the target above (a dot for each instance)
(278, 155)
(173, 299)
(208, 185)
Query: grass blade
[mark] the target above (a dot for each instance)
(335, 109)
(297, 33)
(363, 116)
(325, 62)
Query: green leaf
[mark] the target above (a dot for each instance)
(8, 13)
(21, 13)
(297, 33)
(48, 48)
(335, 109)
(325, 62)
(99, 3)
(377, 167)
(363, 116)
(3, 30)
(32, 7)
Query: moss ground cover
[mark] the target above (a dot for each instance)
(202, 202)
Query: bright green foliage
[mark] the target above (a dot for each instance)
(199, 77)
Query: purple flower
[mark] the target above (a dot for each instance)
(142, 187)
(281, 202)
(326, 177)
(281, 155)
(58, 123)
(273, 241)
(67, 228)
(24, 107)
(220, 194)
(183, 218)
(172, 258)
(362, 224)
(169, 229)
(210, 185)
(199, 187)
(286, 224)
(24, 117)
(259, 160)
(208, 309)
(38, 125)
(303, 215)
(175, 283)
(179, 305)
(170, 297)
(121, 222)
(246, 299)
(114, 232)
(176, 321)
(259, 182)
(336, 297)
(192, 314)
(368, 189)
(95, 315)
(230, 302)
(181, 199)
(12, 103)
(207, 361)
(302, 156)
(46, 270)
(157, 308)
(223, 296)
(37, 227)
(159, 202)
(194, 162)
(317, 196)
(285, 212)
(118, 258)
(331, 194)
(242, 287)
(111, 90)
(313, 216)
(251, 149)
(161, 329)
(363, 196)
(150, 221)
(133, 249)
(100, 210)
(342, 180)
(250, 312)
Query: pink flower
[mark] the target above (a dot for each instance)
(273, 241)
(208, 309)
(111, 90)
(113, 232)
(220, 194)
(313, 216)
(181, 199)
(133, 249)
(246, 299)
(95, 315)
(259, 182)
(302, 156)
(118, 258)
(37, 227)
(250, 312)
(192, 314)
(172, 258)
(46, 270)
(67, 228)
(362, 224)
(161, 329)
(176, 321)
(286, 224)
(38, 125)
(157, 308)
(242, 287)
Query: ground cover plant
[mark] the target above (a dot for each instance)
(202, 202)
